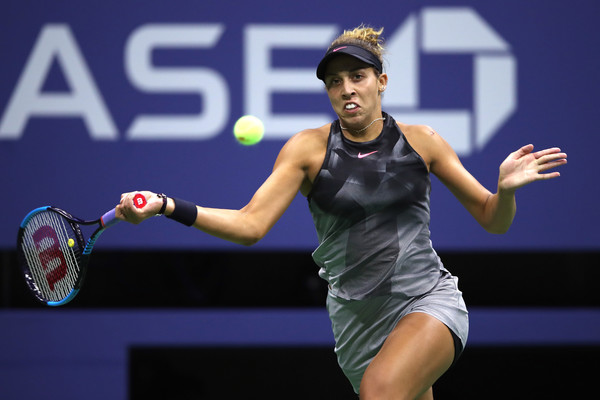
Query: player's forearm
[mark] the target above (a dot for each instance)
(232, 225)
(499, 211)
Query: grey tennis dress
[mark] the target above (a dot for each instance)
(370, 206)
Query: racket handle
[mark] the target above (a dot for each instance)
(109, 219)
(139, 201)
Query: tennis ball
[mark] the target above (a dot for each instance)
(71, 242)
(248, 130)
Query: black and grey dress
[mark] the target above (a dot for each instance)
(370, 206)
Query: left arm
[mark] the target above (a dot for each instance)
(520, 168)
(493, 211)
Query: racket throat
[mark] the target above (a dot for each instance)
(92, 241)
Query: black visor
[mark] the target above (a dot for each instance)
(354, 51)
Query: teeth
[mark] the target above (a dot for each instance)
(350, 106)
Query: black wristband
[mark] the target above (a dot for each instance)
(184, 212)
(164, 204)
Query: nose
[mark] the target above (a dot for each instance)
(348, 88)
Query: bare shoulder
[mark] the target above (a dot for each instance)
(311, 138)
(417, 132)
(305, 151)
(440, 157)
(305, 148)
(306, 142)
(425, 141)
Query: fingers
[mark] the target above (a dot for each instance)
(121, 209)
(546, 159)
(552, 158)
(538, 154)
(560, 158)
(552, 165)
(119, 213)
(542, 153)
(127, 210)
(524, 166)
(550, 175)
(528, 148)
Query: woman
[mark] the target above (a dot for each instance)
(398, 317)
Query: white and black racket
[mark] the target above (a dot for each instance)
(54, 254)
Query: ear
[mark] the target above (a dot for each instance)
(382, 80)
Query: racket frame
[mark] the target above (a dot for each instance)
(105, 221)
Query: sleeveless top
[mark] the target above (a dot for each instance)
(370, 206)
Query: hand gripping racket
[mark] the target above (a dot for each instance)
(53, 253)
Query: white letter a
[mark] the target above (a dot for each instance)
(83, 100)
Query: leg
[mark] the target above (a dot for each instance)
(415, 354)
(428, 395)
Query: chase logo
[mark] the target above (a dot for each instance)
(452, 31)
(432, 31)
(444, 31)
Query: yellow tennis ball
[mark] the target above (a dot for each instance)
(71, 242)
(248, 130)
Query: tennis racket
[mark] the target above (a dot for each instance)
(54, 254)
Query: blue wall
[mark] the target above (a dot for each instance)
(71, 354)
(103, 98)
(79, 80)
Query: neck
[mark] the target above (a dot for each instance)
(365, 132)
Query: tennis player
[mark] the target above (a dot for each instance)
(398, 317)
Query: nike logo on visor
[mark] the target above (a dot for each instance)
(361, 155)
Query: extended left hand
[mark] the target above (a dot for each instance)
(522, 167)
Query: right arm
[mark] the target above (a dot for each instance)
(252, 222)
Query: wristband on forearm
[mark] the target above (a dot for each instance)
(164, 204)
(184, 212)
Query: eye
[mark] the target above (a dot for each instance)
(358, 76)
(333, 82)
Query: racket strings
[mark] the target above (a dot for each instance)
(54, 265)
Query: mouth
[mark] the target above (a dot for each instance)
(351, 107)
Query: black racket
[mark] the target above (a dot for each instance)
(54, 254)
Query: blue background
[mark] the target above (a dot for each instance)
(56, 162)
(89, 350)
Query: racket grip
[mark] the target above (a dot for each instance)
(139, 201)
(109, 219)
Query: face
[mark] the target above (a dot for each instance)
(354, 90)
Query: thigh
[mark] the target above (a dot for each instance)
(414, 355)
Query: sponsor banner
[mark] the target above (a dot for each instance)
(100, 99)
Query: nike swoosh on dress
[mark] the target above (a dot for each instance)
(360, 155)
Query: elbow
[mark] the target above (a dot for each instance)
(251, 229)
(251, 237)
(497, 230)
(249, 241)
